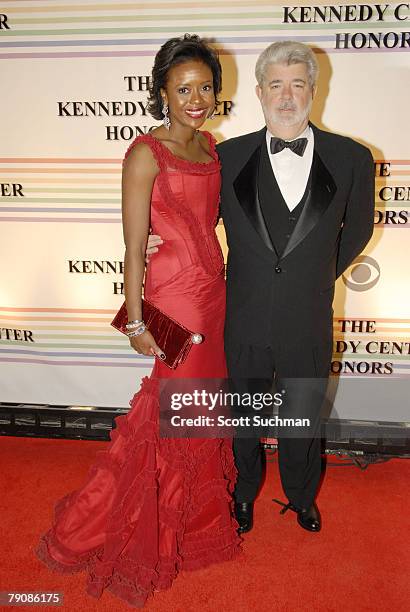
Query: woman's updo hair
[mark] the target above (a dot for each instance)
(189, 47)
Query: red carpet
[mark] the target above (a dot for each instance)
(358, 562)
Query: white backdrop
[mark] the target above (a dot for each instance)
(61, 241)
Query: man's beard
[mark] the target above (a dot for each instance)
(275, 116)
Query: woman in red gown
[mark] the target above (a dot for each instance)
(153, 506)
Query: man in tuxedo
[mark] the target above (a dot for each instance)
(297, 205)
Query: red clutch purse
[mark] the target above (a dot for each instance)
(174, 339)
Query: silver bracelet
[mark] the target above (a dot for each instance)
(137, 332)
(133, 324)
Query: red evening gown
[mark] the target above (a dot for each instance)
(152, 506)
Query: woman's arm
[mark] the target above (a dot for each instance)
(138, 176)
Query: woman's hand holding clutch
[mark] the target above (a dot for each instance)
(145, 344)
(175, 339)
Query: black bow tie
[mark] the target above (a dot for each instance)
(298, 146)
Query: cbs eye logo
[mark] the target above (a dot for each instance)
(362, 274)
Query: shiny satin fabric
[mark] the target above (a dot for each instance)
(151, 506)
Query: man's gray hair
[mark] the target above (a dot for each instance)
(287, 52)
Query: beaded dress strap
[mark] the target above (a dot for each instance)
(212, 144)
(155, 146)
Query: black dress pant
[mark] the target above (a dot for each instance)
(300, 376)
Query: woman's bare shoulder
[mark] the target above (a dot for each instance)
(141, 157)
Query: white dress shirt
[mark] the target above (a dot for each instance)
(292, 171)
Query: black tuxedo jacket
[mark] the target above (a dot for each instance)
(288, 299)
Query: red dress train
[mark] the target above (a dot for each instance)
(152, 506)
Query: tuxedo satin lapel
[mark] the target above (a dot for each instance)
(321, 193)
(246, 190)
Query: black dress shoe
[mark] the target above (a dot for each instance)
(307, 518)
(244, 516)
(310, 519)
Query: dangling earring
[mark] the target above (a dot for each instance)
(166, 121)
(213, 114)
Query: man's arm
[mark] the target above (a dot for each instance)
(359, 217)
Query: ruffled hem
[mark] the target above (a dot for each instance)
(132, 583)
(130, 563)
